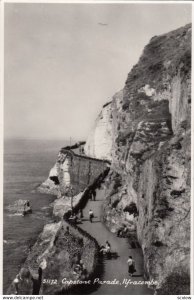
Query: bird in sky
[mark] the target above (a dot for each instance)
(103, 24)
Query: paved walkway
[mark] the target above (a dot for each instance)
(117, 267)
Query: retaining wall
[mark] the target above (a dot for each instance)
(82, 170)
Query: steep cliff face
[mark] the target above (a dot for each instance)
(149, 186)
(99, 142)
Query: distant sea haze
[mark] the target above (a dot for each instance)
(27, 163)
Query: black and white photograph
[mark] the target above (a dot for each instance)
(96, 148)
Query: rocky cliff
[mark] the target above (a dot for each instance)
(145, 131)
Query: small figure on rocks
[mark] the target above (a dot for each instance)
(131, 266)
(26, 208)
(91, 215)
(16, 283)
(80, 269)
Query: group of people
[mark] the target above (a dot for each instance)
(105, 249)
(25, 275)
(80, 269)
(75, 218)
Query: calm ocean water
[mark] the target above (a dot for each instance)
(26, 165)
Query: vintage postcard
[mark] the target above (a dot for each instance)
(96, 148)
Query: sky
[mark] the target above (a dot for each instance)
(62, 64)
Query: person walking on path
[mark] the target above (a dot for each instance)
(90, 196)
(81, 213)
(67, 230)
(91, 215)
(94, 195)
(131, 266)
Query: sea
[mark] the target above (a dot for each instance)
(26, 165)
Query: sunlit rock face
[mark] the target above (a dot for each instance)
(99, 142)
(64, 166)
(148, 135)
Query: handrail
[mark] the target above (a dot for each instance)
(68, 149)
(93, 158)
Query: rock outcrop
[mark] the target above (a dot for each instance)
(20, 207)
(148, 136)
(72, 174)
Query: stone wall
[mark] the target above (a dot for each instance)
(72, 173)
(85, 170)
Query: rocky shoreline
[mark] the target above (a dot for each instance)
(56, 248)
(59, 247)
